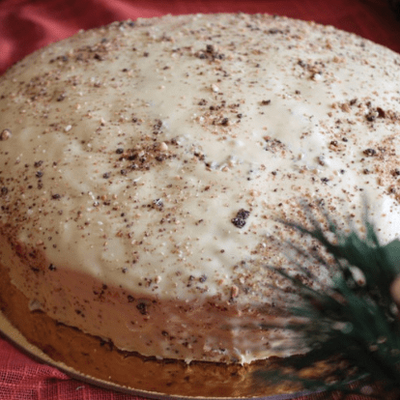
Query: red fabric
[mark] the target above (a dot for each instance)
(28, 25)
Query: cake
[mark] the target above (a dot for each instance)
(144, 166)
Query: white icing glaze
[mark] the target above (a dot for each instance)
(133, 148)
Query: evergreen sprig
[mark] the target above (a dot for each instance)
(355, 316)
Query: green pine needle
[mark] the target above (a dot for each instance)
(356, 316)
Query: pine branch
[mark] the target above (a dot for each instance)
(356, 316)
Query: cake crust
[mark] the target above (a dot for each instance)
(98, 362)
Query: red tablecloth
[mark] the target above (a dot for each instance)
(28, 25)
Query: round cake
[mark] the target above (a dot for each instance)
(144, 166)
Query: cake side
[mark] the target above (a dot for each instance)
(90, 357)
(143, 166)
(148, 325)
